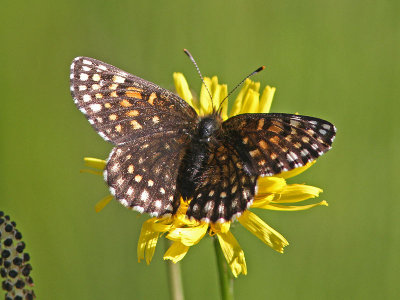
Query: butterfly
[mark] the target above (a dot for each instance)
(164, 150)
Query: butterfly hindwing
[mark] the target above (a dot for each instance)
(273, 143)
(122, 107)
(225, 189)
(142, 175)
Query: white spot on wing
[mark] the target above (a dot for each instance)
(103, 135)
(144, 196)
(118, 79)
(138, 208)
(95, 107)
(322, 131)
(208, 206)
(83, 76)
(112, 191)
(87, 98)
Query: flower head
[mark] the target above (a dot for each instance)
(274, 193)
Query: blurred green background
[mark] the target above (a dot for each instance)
(337, 60)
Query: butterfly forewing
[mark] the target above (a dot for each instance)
(273, 143)
(122, 107)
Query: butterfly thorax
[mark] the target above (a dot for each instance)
(197, 154)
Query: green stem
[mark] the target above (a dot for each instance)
(225, 275)
(175, 277)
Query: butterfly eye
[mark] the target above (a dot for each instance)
(206, 128)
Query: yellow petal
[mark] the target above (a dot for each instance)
(102, 203)
(270, 184)
(220, 227)
(215, 92)
(266, 99)
(298, 192)
(147, 241)
(160, 227)
(96, 163)
(250, 102)
(265, 200)
(278, 207)
(182, 88)
(237, 104)
(223, 94)
(296, 171)
(176, 252)
(205, 100)
(188, 236)
(234, 255)
(264, 232)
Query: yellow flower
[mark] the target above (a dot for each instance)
(274, 193)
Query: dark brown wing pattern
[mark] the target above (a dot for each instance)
(142, 175)
(122, 107)
(224, 190)
(149, 125)
(273, 143)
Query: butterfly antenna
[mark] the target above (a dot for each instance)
(198, 71)
(239, 84)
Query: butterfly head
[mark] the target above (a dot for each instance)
(207, 127)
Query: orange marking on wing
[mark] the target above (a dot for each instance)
(118, 128)
(275, 129)
(125, 103)
(114, 94)
(107, 105)
(134, 92)
(135, 124)
(260, 124)
(132, 113)
(289, 138)
(263, 144)
(255, 153)
(274, 139)
(151, 98)
(99, 95)
(262, 162)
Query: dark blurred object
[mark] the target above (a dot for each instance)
(14, 266)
